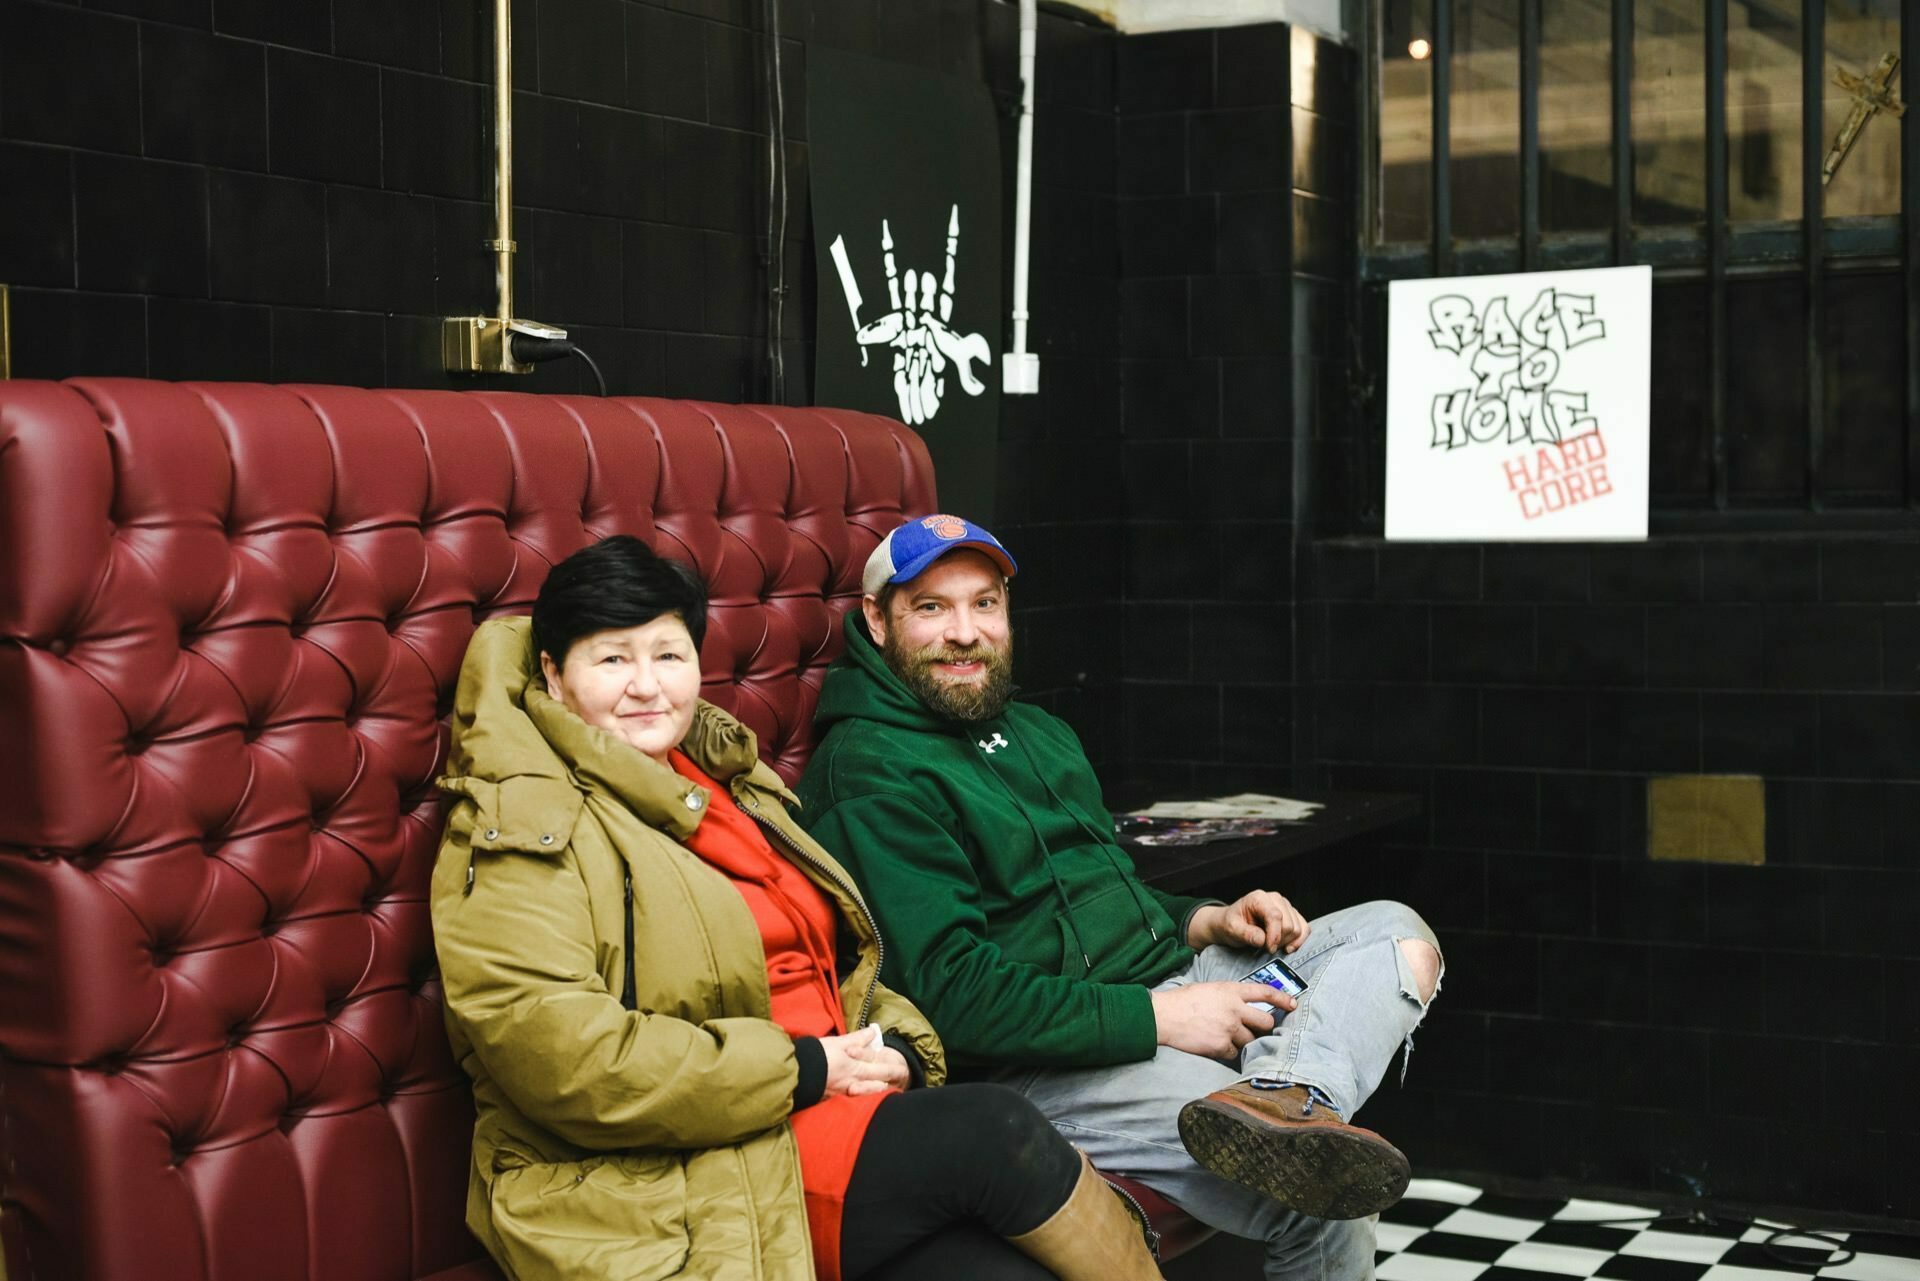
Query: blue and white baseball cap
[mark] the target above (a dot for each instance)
(909, 549)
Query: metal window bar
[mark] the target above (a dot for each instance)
(1529, 135)
(1813, 57)
(1622, 70)
(1716, 104)
(1910, 236)
(1441, 185)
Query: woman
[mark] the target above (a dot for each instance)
(667, 996)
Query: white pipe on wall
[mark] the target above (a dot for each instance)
(1020, 369)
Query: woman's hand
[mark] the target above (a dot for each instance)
(858, 1063)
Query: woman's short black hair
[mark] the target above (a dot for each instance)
(617, 582)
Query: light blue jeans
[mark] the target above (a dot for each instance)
(1360, 1007)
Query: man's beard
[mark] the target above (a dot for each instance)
(956, 700)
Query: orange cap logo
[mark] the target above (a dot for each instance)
(947, 527)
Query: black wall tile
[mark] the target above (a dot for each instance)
(1824, 996)
(343, 347)
(1166, 236)
(398, 35)
(1323, 151)
(433, 137)
(1656, 732)
(1592, 645)
(1485, 810)
(1831, 823)
(1872, 570)
(583, 50)
(1653, 571)
(576, 268)
(1423, 724)
(1076, 151)
(713, 177)
(1242, 480)
(1323, 74)
(1489, 644)
(1259, 561)
(1716, 988)
(666, 63)
(1164, 71)
(733, 71)
(36, 236)
(141, 225)
(190, 339)
(1152, 153)
(1153, 317)
(549, 168)
(1761, 570)
(663, 276)
(1536, 573)
(1600, 814)
(323, 118)
(1255, 232)
(186, 13)
(1253, 64)
(69, 77)
(63, 334)
(1870, 913)
(1536, 729)
(380, 251)
(203, 97)
(1173, 720)
(1823, 647)
(1429, 571)
(610, 174)
(1236, 315)
(305, 24)
(1378, 642)
(1900, 638)
(1170, 397)
(1172, 561)
(1597, 982)
(1158, 642)
(1869, 735)
(1550, 895)
(1650, 902)
(1256, 724)
(1705, 647)
(1493, 974)
(1243, 150)
(269, 238)
(707, 368)
(1749, 733)
(1764, 906)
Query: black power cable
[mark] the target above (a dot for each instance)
(533, 349)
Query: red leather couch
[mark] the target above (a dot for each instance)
(231, 617)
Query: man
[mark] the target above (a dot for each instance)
(976, 827)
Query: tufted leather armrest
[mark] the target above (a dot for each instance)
(231, 617)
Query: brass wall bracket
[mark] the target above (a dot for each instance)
(6, 333)
(484, 344)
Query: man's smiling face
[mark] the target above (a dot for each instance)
(946, 634)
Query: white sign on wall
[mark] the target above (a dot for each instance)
(1517, 406)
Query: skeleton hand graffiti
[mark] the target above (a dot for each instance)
(923, 342)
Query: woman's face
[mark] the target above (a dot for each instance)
(640, 684)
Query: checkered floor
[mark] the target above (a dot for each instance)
(1451, 1232)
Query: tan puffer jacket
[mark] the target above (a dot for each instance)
(610, 1141)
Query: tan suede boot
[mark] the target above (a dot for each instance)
(1093, 1237)
(1289, 1146)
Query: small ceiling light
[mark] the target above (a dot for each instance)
(1418, 50)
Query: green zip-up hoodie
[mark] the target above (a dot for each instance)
(1015, 922)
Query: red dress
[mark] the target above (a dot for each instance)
(796, 925)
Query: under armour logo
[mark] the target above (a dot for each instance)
(992, 745)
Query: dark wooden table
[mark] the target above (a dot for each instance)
(1183, 868)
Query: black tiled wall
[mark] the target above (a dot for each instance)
(1235, 198)
(297, 190)
(1703, 1030)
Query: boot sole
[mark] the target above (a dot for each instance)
(1324, 1170)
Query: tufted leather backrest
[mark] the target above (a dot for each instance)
(231, 617)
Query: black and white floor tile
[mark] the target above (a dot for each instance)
(1447, 1231)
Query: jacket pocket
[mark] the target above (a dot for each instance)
(622, 1215)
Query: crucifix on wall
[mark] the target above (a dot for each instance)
(1872, 94)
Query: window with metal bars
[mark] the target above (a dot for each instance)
(1750, 151)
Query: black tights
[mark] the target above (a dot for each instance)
(942, 1177)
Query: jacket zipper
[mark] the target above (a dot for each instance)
(752, 807)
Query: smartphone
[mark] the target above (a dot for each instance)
(1277, 974)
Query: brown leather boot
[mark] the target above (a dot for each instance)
(1093, 1237)
(1288, 1145)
